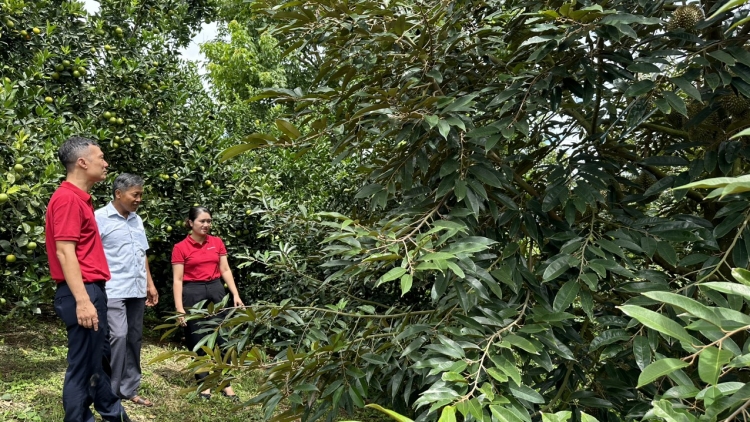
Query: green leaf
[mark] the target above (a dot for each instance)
(666, 251)
(659, 369)
(643, 67)
(461, 104)
(561, 416)
(431, 120)
(483, 132)
(444, 128)
(369, 109)
(723, 56)
(639, 88)
(486, 175)
(727, 225)
(391, 275)
(448, 414)
(565, 296)
(556, 268)
(731, 4)
(523, 392)
(745, 132)
(641, 351)
(433, 256)
(711, 363)
(521, 343)
(369, 190)
(406, 282)
(735, 188)
(681, 392)
(729, 288)
(742, 275)
(691, 306)
(585, 417)
(717, 182)
(497, 374)
(609, 337)
(394, 415)
(288, 129)
(676, 102)
(659, 323)
(459, 189)
(659, 186)
(236, 150)
(687, 87)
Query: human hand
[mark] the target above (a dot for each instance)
(238, 302)
(87, 315)
(152, 296)
(181, 318)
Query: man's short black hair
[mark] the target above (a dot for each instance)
(72, 150)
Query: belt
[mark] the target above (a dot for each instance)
(99, 283)
(201, 281)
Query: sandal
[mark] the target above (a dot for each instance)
(232, 397)
(205, 396)
(142, 401)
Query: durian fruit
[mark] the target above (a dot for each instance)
(685, 17)
(645, 180)
(708, 129)
(675, 120)
(734, 105)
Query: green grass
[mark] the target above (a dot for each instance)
(32, 367)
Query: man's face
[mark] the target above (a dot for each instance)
(131, 199)
(94, 164)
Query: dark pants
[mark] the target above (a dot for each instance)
(192, 293)
(86, 381)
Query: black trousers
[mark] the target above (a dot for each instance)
(192, 293)
(86, 380)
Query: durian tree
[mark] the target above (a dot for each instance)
(523, 255)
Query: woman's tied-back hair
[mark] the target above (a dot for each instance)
(194, 213)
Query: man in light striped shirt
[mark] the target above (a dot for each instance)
(131, 287)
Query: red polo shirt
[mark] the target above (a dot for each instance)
(201, 260)
(70, 216)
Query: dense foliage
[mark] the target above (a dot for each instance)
(115, 76)
(523, 256)
(457, 210)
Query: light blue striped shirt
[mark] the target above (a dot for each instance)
(125, 246)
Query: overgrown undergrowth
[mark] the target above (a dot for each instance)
(32, 367)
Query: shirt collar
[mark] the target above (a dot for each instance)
(111, 210)
(195, 242)
(75, 189)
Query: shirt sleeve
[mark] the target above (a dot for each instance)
(220, 246)
(144, 238)
(177, 256)
(66, 220)
(101, 223)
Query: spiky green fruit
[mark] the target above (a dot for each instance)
(685, 17)
(734, 105)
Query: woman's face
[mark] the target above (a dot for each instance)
(202, 224)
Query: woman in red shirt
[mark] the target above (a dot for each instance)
(199, 263)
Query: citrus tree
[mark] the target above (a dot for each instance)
(523, 255)
(115, 76)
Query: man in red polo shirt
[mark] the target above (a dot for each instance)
(79, 267)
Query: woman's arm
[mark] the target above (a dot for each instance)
(226, 275)
(178, 270)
